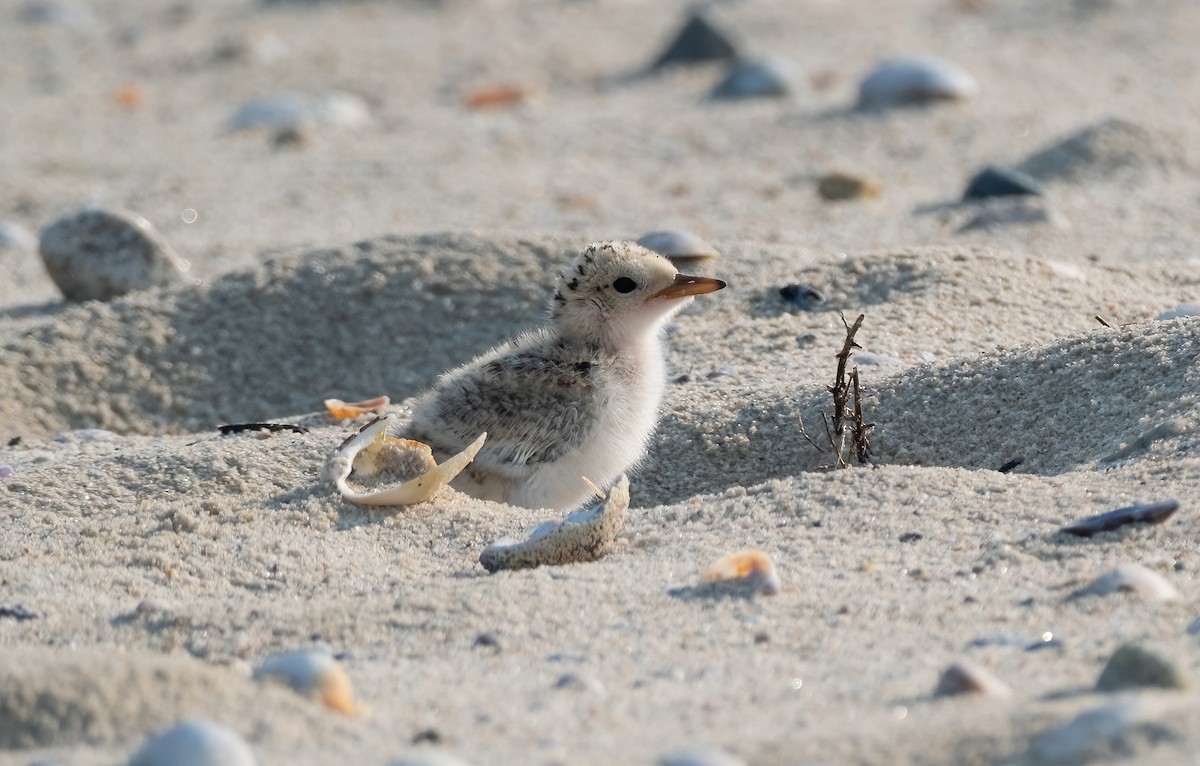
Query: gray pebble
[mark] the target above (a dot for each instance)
(915, 80)
(1181, 311)
(101, 254)
(1133, 666)
(755, 78)
(995, 181)
(801, 296)
(194, 743)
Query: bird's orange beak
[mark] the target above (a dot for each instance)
(685, 285)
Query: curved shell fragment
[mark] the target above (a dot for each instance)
(751, 568)
(584, 535)
(314, 673)
(372, 452)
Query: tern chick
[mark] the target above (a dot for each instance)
(573, 401)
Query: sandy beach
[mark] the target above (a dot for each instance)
(1013, 359)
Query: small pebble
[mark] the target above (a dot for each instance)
(194, 743)
(1181, 311)
(678, 245)
(700, 756)
(699, 41)
(968, 678)
(915, 81)
(1132, 578)
(1148, 513)
(1133, 666)
(801, 296)
(99, 254)
(841, 187)
(750, 568)
(300, 111)
(995, 181)
(6, 470)
(314, 673)
(755, 78)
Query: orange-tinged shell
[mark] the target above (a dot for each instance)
(754, 567)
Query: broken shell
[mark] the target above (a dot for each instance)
(1136, 578)
(752, 568)
(349, 410)
(312, 672)
(371, 452)
(969, 678)
(584, 535)
(1147, 513)
(678, 245)
(194, 743)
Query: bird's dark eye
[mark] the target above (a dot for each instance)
(624, 285)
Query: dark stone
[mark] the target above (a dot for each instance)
(995, 181)
(698, 41)
(803, 297)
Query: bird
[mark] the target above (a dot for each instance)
(574, 401)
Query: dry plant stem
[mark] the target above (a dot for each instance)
(858, 425)
(841, 389)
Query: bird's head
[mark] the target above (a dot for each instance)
(620, 292)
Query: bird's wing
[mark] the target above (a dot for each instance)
(534, 406)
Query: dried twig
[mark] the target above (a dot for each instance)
(1100, 319)
(847, 406)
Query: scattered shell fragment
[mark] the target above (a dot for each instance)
(98, 254)
(700, 756)
(372, 452)
(913, 81)
(314, 673)
(995, 181)
(492, 96)
(1147, 513)
(680, 246)
(297, 110)
(1133, 578)
(194, 743)
(840, 187)
(584, 535)
(1181, 311)
(755, 78)
(349, 410)
(699, 41)
(968, 678)
(802, 296)
(751, 568)
(1133, 666)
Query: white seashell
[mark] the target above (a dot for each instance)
(298, 110)
(968, 678)
(753, 568)
(14, 236)
(194, 743)
(371, 452)
(1135, 578)
(915, 80)
(756, 78)
(312, 672)
(678, 245)
(1181, 311)
(584, 535)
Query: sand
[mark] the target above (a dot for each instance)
(147, 562)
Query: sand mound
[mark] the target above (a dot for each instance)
(1109, 147)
